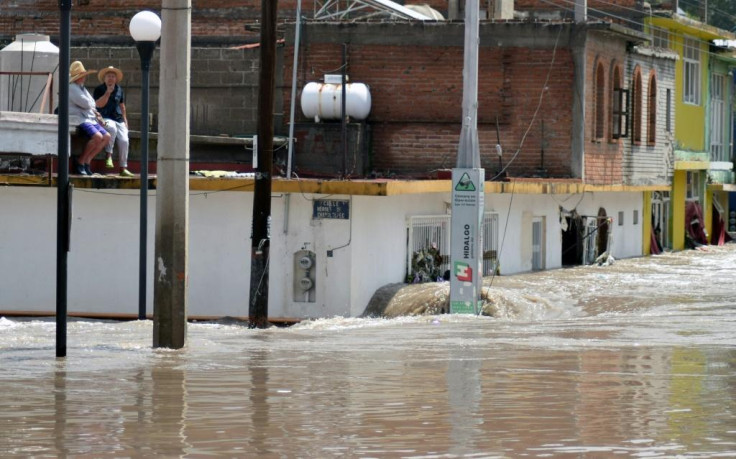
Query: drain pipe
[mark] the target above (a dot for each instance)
(297, 35)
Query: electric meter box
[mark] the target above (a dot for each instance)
(304, 276)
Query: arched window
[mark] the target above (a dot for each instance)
(652, 111)
(600, 97)
(636, 99)
(619, 114)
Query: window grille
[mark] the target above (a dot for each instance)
(637, 107)
(661, 216)
(661, 38)
(693, 186)
(620, 113)
(652, 119)
(425, 232)
(718, 118)
(434, 231)
(600, 92)
(691, 71)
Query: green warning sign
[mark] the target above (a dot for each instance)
(461, 307)
(465, 183)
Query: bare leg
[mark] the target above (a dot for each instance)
(93, 147)
(90, 149)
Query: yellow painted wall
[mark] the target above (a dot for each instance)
(646, 224)
(690, 119)
(679, 187)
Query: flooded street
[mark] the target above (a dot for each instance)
(637, 359)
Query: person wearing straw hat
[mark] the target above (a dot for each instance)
(82, 105)
(110, 100)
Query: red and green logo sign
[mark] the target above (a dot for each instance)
(463, 272)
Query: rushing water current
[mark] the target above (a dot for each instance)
(636, 359)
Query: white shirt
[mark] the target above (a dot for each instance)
(81, 103)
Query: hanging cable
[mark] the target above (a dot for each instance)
(536, 111)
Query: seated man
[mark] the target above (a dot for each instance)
(82, 104)
(110, 101)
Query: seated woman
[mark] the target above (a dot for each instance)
(82, 104)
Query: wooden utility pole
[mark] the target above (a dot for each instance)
(261, 233)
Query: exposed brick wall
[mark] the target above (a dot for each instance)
(224, 85)
(603, 157)
(110, 18)
(417, 96)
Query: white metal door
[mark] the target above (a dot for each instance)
(538, 243)
(490, 243)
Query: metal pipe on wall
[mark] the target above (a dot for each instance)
(297, 36)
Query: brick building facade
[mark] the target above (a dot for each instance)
(415, 76)
(227, 20)
(527, 90)
(213, 21)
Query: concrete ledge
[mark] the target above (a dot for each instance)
(35, 134)
(367, 187)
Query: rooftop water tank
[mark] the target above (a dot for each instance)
(323, 101)
(31, 53)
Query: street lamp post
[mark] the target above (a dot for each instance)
(145, 28)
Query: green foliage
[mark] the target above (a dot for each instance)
(721, 13)
(426, 265)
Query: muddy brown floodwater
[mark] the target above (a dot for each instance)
(637, 359)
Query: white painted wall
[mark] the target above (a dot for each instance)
(627, 239)
(369, 250)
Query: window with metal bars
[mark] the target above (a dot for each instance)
(652, 112)
(691, 71)
(637, 107)
(600, 95)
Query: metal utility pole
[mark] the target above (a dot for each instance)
(468, 181)
(171, 272)
(260, 238)
(63, 190)
(146, 29)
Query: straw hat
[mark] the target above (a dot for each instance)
(106, 70)
(77, 71)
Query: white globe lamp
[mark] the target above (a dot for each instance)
(145, 26)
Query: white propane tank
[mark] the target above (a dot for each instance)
(28, 53)
(324, 101)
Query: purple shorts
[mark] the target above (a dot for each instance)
(90, 129)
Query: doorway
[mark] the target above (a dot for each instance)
(572, 241)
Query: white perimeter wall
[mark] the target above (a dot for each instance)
(368, 251)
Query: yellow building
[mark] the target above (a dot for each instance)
(702, 133)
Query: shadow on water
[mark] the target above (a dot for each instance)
(260, 409)
(60, 418)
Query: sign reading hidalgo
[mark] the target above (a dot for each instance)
(466, 240)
